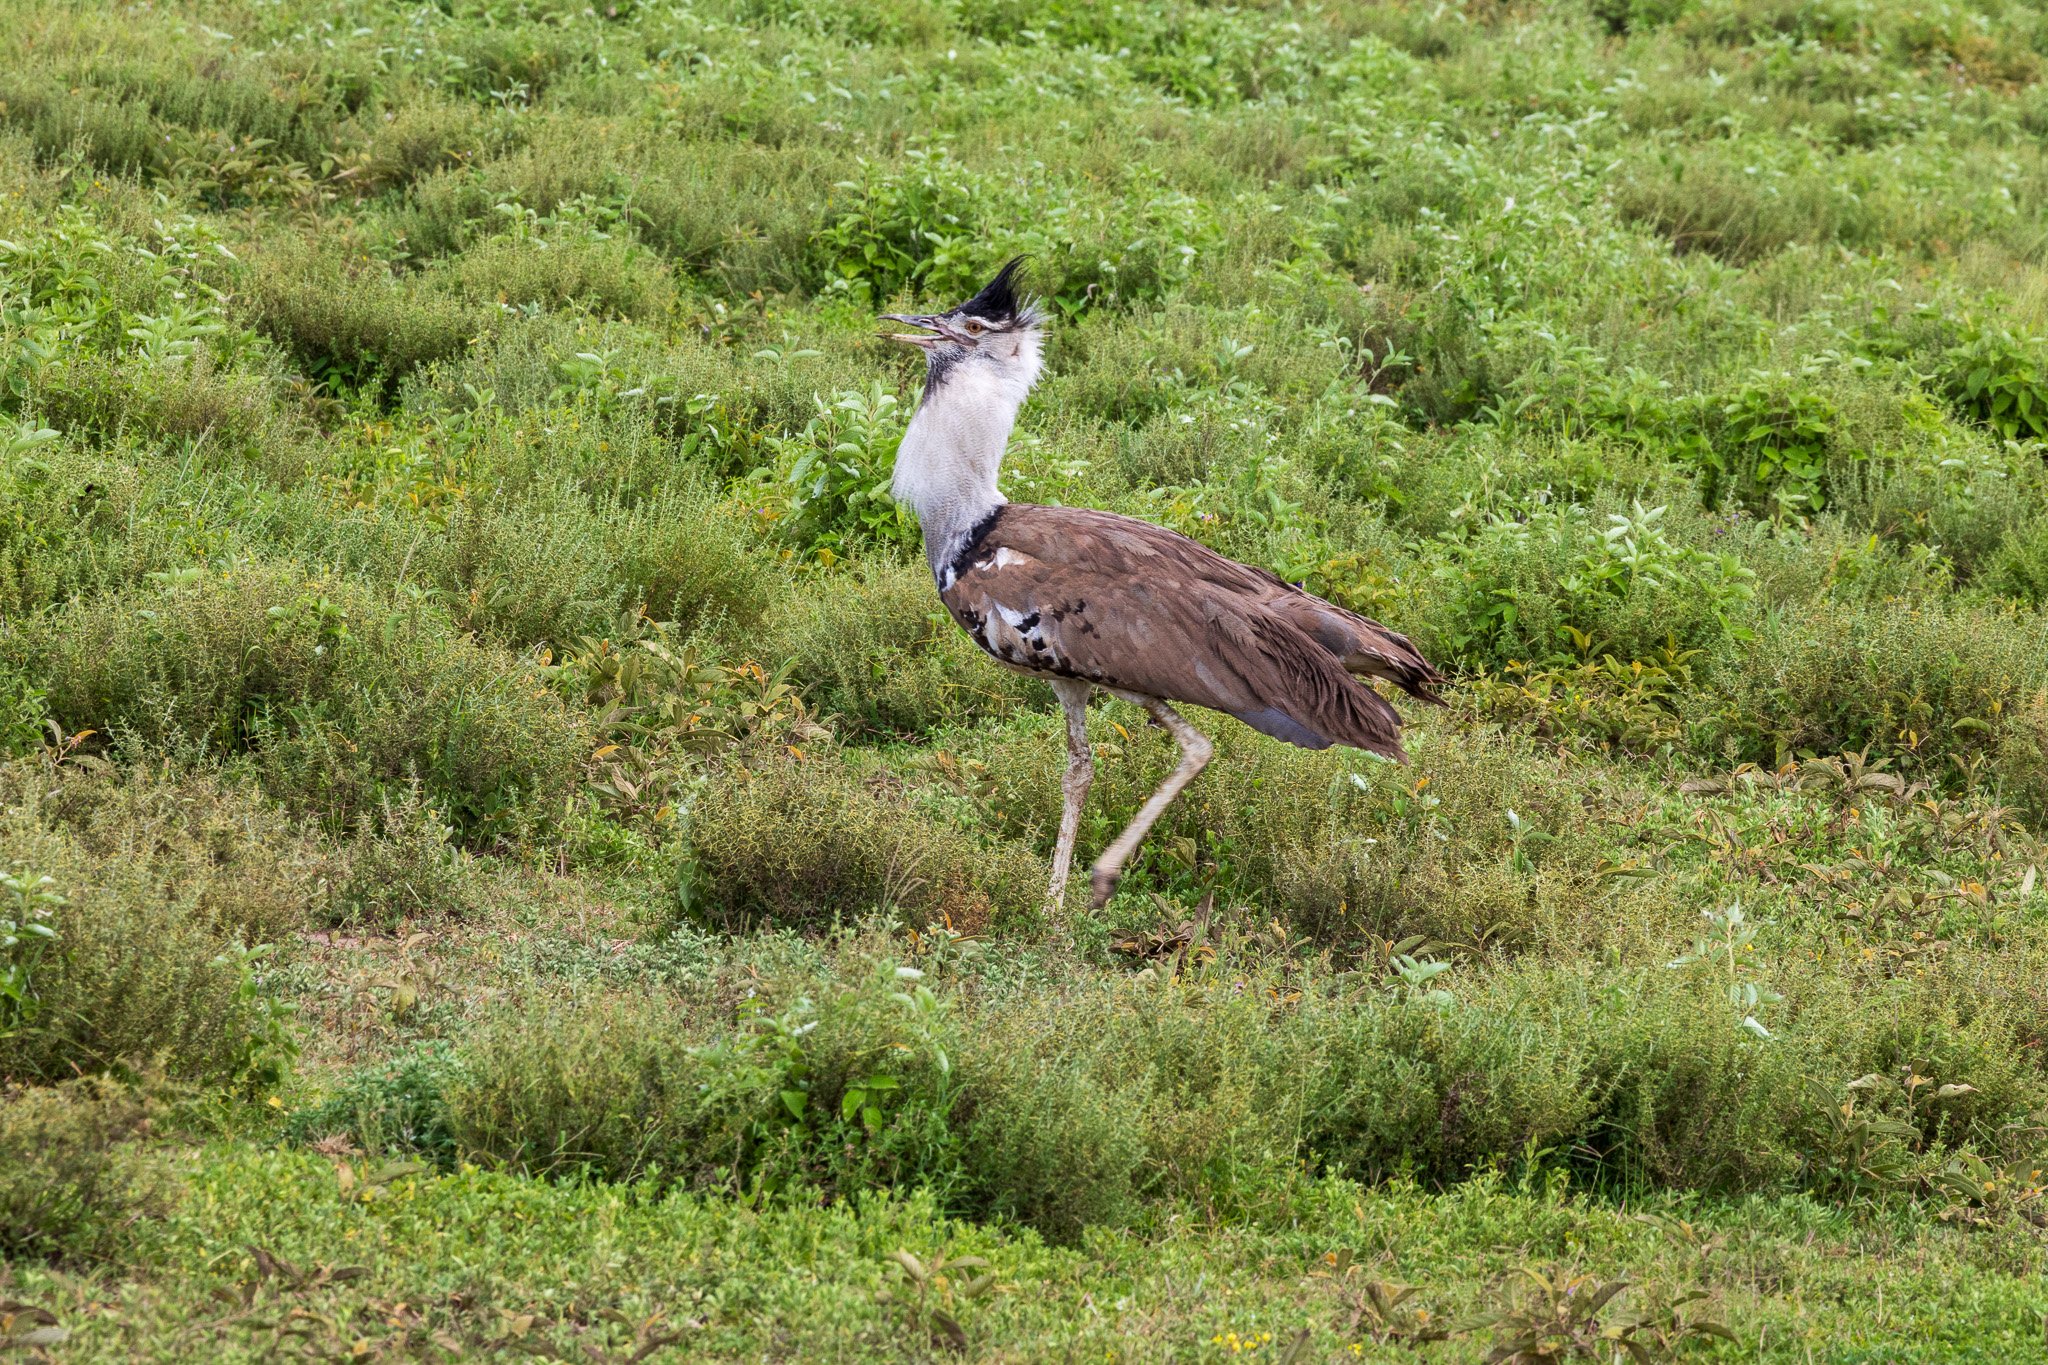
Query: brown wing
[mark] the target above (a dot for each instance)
(1137, 608)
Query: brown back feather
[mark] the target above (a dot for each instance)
(1137, 608)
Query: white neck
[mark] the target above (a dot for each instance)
(951, 454)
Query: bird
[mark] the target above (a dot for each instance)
(1089, 600)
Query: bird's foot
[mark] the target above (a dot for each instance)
(1101, 886)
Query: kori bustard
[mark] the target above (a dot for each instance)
(1088, 599)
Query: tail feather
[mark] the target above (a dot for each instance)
(1363, 647)
(1312, 701)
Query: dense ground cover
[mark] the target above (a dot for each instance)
(501, 853)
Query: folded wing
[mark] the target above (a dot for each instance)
(1133, 607)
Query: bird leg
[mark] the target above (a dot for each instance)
(1195, 751)
(1073, 695)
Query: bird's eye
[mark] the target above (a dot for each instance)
(974, 327)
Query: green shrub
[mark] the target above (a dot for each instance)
(1230, 1088)
(1956, 514)
(828, 488)
(403, 864)
(113, 398)
(894, 226)
(333, 695)
(615, 1086)
(554, 565)
(835, 1088)
(2000, 377)
(1675, 1092)
(1553, 584)
(685, 558)
(1939, 689)
(877, 653)
(1771, 456)
(254, 872)
(1049, 1133)
(806, 843)
(1415, 1086)
(517, 59)
(154, 887)
(351, 323)
(1636, 16)
(415, 140)
(2019, 569)
(23, 718)
(1708, 200)
(609, 278)
(114, 135)
(1091, 1104)
(396, 1106)
(74, 1177)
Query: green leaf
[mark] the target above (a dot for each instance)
(1606, 1292)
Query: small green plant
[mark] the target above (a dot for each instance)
(1985, 1193)
(1633, 706)
(1384, 1311)
(893, 228)
(660, 705)
(1633, 549)
(1562, 1315)
(1685, 1233)
(27, 905)
(395, 1107)
(1547, 586)
(74, 1176)
(2000, 377)
(866, 1098)
(1729, 944)
(17, 438)
(928, 1295)
(267, 1039)
(404, 862)
(1417, 977)
(174, 336)
(24, 716)
(766, 1056)
(828, 491)
(873, 1094)
(1773, 453)
(1859, 1151)
(1523, 841)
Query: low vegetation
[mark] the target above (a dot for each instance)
(502, 855)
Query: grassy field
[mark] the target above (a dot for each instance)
(502, 854)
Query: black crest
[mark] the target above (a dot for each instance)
(997, 301)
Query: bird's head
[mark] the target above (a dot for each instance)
(994, 336)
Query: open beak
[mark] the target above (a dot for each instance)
(929, 322)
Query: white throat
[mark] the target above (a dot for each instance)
(952, 453)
